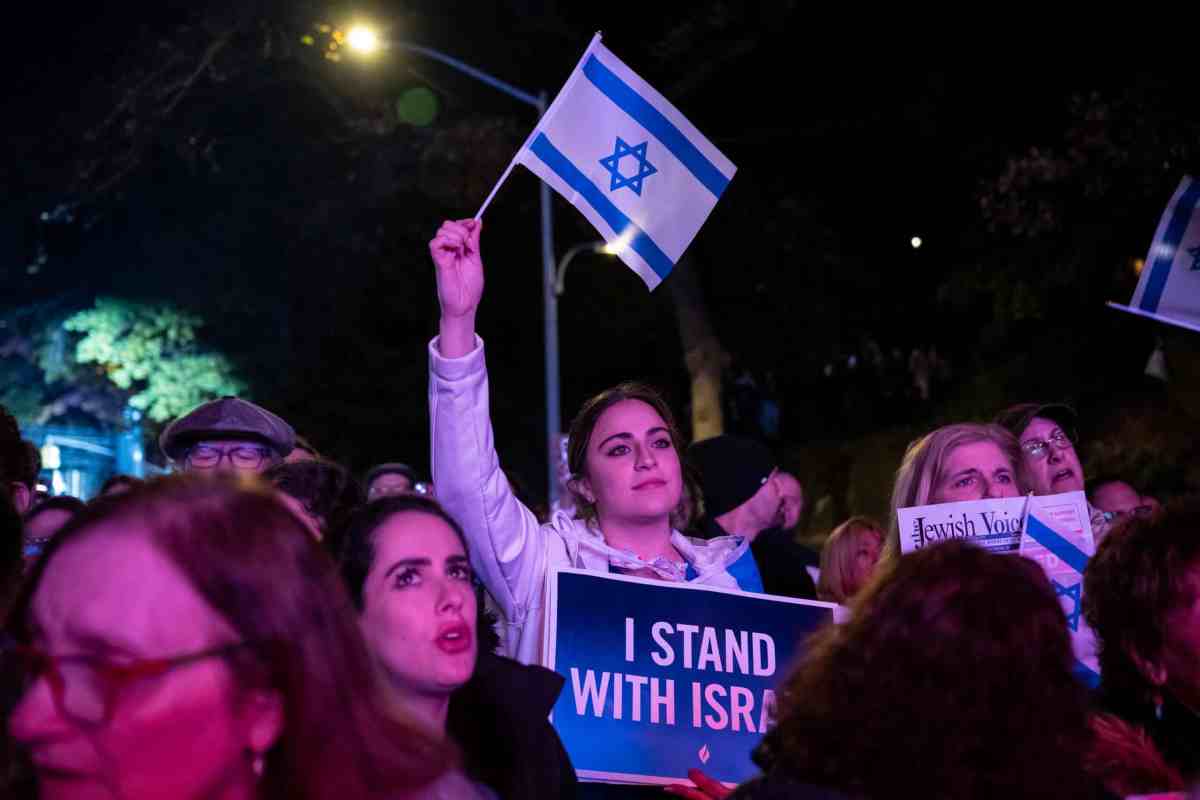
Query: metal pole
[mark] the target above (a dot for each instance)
(550, 303)
(549, 297)
(478, 74)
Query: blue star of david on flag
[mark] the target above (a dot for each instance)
(612, 163)
(1073, 591)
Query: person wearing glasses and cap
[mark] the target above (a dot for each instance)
(1046, 433)
(228, 434)
(1117, 499)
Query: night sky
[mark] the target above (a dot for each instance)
(304, 250)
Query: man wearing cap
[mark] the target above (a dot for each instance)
(1046, 433)
(392, 479)
(746, 495)
(227, 435)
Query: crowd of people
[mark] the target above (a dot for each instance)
(264, 624)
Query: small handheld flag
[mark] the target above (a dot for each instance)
(1169, 287)
(618, 151)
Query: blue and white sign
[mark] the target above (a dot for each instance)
(664, 677)
(618, 151)
(1058, 535)
(1054, 530)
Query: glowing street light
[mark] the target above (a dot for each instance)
(612, 249)
(363, 39)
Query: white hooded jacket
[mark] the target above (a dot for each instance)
(512, 552)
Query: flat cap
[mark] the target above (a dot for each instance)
(1016, 418)
(226, 418)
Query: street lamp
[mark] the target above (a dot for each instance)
(363, 39)
(560, 285)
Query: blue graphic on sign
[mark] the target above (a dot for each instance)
(1072, 593)
(661, 678)
(613, 164)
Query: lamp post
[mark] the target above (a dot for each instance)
(363, 39)
(560, 275)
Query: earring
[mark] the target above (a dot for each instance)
(1158, 704)
(258, 764)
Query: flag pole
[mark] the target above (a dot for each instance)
(495, 189)
(542, 107)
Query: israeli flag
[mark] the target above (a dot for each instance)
(625, 157)
(1169, 287)
(1057, 534)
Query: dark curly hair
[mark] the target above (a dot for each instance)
(953, 679)
(326, 489)
(1140, 572)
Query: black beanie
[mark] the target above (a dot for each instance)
(731, 470)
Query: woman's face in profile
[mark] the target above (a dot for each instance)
(419, 610)
(109, 604)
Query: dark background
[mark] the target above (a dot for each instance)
(278, 195)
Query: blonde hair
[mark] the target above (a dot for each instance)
(924, 460)
(837, 558)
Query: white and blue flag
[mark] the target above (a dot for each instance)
(1169, 287)
(624, 156)
(1056, 532)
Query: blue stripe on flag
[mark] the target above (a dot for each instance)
(745, 573)
(1086, 675)
(1176, 228)
(1067, 553)
(640, 243)
(650, 118)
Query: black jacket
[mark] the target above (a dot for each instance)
(781, 561)
(1175, 732)
(500, 720)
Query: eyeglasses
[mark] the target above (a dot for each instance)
(1141, 512)
(205, 456)
(1037, 449)
(420, 487)
(86, 688)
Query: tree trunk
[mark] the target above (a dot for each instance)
(702, 351)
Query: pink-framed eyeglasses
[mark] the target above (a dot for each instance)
(86, 688)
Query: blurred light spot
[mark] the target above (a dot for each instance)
(363, 39)
(308, 40)
(915, 242)
(418, 106)
(620, 244)
(51, 456)
(1138, 265)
